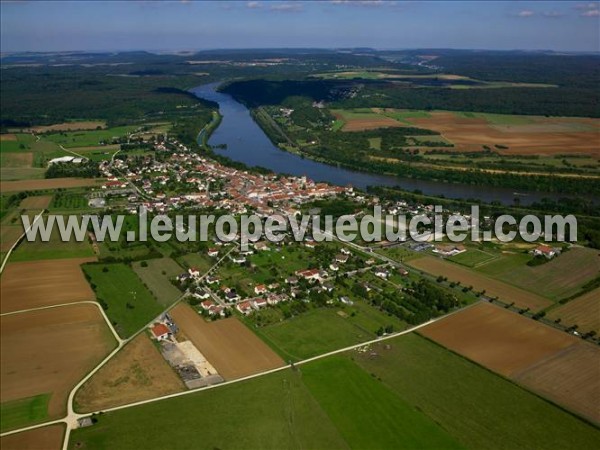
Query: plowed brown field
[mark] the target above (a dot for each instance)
(498, 339)
(38, 202)
(33, 284)
(570, 378)
(48, 351)
(227, 344)
(46, 438)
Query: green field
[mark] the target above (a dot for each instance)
(55, 248)
(314, 332)
(479, 408)
(88, 138)
(366, 412)
(271, 412)
(472, 257)
(23, 412)
(157, 276)
(411, 393)
(130, 303)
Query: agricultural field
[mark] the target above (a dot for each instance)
(378, 418)
(227, 344)
(322, 330)
(34, 284)
(497, 338)
(559, 278)
(24, 411)
(493, 288)
(55, 248)
(36, 202)
(275, 411)
(582, 311)
(138, 372)
(48, 438)
(309, 407)
(515, 135)
(570, 378)
(126, 301)
(477, 407)
(547, 361)
(157, 276)
(8, 236)
(46, 352)
(363, 119)
(48, 184)
(89, 138)
(70, 126)
(473, 257)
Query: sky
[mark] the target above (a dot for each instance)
(194, 25)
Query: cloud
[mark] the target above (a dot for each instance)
(553, 14)
(286, 7)
(365, 3)
(253, 5)
(591, 9)
(525, 13)
(591, 13)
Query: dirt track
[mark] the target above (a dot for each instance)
(48, 351)
(33, 284)
(227, 344)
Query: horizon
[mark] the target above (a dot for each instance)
(174, 26)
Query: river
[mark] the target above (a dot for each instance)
(247, 143)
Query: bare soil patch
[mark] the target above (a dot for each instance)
(46, 438)
(138, 372)
(227, 344)
(361, 124)
(8, 137)
(548, 136)
(583, 311)
(17, 160)
(71, 126)
(493, 288)
(498, 339)
(8, 236)
(33, 284)
(37, 202)
(48, 183)
(570, 378)
(48, 351)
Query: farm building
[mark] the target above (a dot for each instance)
(161, 332)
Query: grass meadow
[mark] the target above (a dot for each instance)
(130, 305)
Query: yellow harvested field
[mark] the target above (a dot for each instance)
(70, 126)
(14, 159)
(138, 372)
(545, 136)
(583, 311)
(493, 288)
